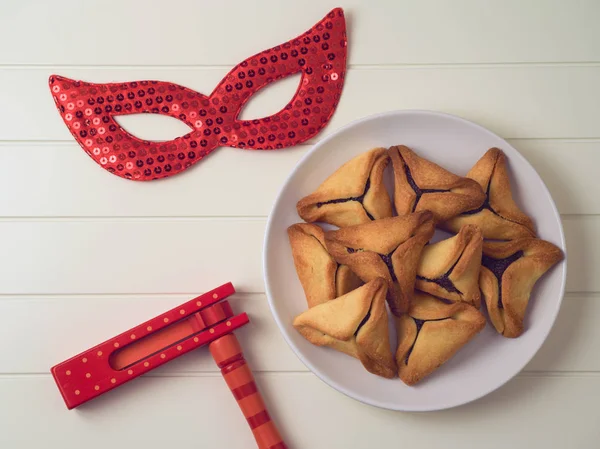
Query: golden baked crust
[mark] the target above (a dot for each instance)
(431, 333)
(508, 273)
(389, 248)
(420, 184)
(449, 269)
(356, 324)
(321, 277)
(498, 217)
(352, 195)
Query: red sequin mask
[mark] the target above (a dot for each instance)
(89, 109)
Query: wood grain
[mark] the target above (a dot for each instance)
(229, 183)
(512, 101)
(78, 243)
(187, 255)
(568, 348)
(191, 32)
(156, 412)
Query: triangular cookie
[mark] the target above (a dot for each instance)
(420, 184)
(321, 277)
(498, 217)
(431, 333)
(389, 248)
(356, 324)
(352, 195)
(449, 269)
(509, 270)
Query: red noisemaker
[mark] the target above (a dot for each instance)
(205, 320)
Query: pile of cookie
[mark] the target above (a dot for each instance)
(381, 254)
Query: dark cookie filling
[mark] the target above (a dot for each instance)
(359, 199)
(485, 205)
(498, 267)
(416, 188)
(364, 320)
(444, 280)
(419, 324)
(387, 259)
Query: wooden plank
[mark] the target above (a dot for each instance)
(229, 183)
(158, 412)
(581, 233)
(59, 318)
(131, 256)
(62, 180)
(571, 345)
(513, 101)
(180, 256)
(380, 32)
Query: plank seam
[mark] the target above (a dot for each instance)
(377, 66)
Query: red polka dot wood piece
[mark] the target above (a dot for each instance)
(171, 333)
(89, 109)
(205, 320)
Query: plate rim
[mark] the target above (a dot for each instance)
(326, 379)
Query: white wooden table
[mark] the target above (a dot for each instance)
(78, 244)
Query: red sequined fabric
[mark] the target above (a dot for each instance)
(89, 109)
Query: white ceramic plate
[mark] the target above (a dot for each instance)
(489, 360)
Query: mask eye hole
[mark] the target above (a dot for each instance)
(152, 127)
(270, 99)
